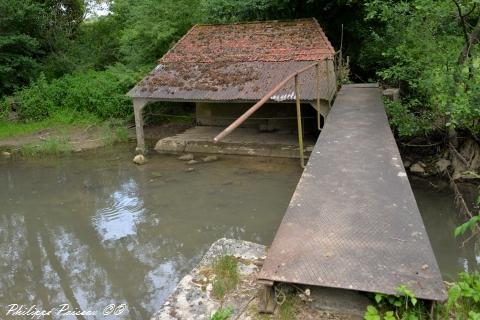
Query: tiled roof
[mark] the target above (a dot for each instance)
(270, 41)
(240, 62)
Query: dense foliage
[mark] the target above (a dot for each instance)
(430, 50)
(101, 93)
(31, 32)
(427, 48)
(51, 61)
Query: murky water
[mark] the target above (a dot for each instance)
(441, 217)
(93, 229)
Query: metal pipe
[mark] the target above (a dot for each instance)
(299, 122)
(257, 105)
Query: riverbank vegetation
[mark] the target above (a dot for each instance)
(225, 269)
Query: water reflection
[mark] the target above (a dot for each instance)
(118, 218)
(93, 229)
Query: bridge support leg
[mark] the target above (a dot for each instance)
(299, 123)
(267, 302)
(138, 105)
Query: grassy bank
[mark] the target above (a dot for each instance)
(61, 120)
(60, 134)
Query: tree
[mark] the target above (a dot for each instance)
(151, 27)
(430, 49)
(33, 30)
(21, 22)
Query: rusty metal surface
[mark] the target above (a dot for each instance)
(353, 222)
(200, 85)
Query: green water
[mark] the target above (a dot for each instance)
(92, 229)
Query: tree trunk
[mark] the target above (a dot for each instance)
(474, 38)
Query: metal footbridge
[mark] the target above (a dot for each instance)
(353, 222)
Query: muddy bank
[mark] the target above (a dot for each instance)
(461, 162)
(446, 166)
(77, 139)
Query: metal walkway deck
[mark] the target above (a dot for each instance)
(353, 222)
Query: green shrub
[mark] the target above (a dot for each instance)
(101, 93)
(4, 108)
(222, 314)
(404, 304)
(405, 121)
(463, 298)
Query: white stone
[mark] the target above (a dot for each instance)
(417, 168)
(139, 159)
(443, 164)
(392, 93)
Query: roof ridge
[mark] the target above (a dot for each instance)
(283, 40)
(325, 38)
(252, 22)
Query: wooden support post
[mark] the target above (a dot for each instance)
(317, 67)
(299, 122)
(138, 105)
(266, 298)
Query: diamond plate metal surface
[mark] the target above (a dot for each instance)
(353, 222)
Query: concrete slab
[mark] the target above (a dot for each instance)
(243, 141)
(192, 298)
(330, 299)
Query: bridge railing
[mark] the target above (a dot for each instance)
(277, 88)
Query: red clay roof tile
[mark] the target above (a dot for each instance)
(269, 41)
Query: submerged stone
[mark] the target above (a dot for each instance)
(210, 159)
(442, 165)
(186, 157)
(139, 159)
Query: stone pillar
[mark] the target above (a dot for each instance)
(138, 105)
